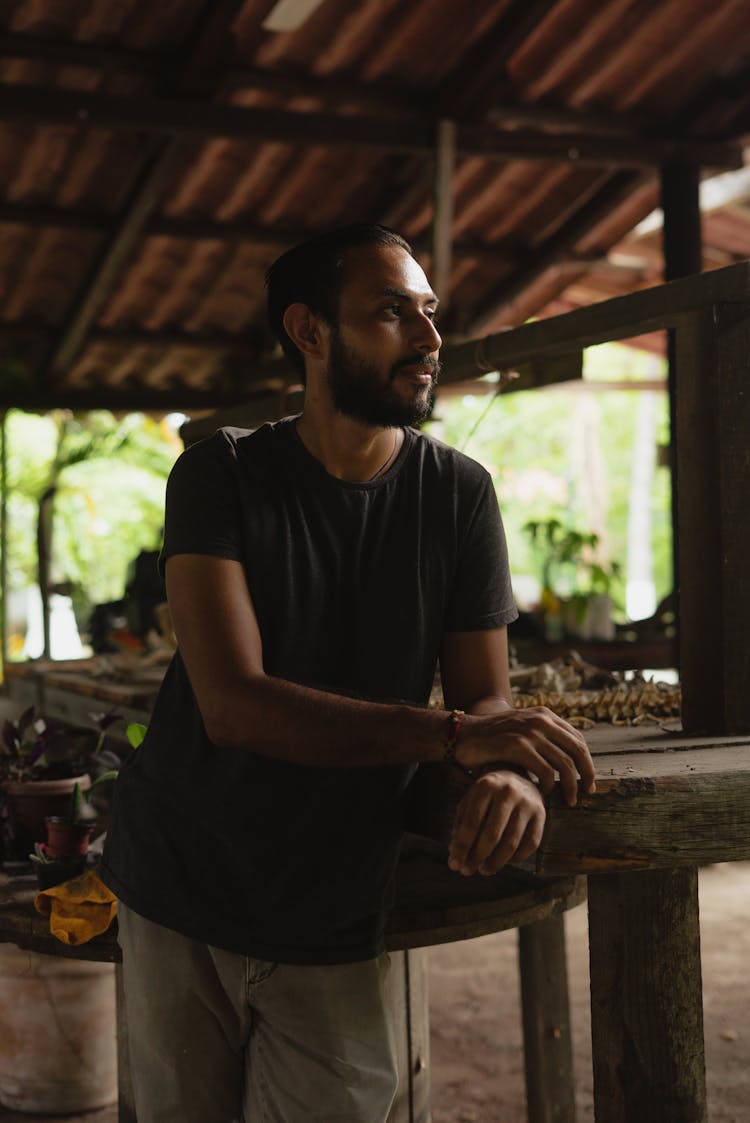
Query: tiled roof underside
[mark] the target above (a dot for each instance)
(135, 229)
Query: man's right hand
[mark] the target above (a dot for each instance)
(535, 739)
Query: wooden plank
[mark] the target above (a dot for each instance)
(434, 904)
(547, 1044)
(652, 309)
(646, 1001)
(193, 119)
(680, 203)
(645, 819)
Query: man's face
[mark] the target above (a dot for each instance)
(383, 355)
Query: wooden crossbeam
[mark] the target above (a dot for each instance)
(233, 230)
(329, 91)
(177, 117)
(96, 56)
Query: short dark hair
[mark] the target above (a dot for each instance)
(311, 274)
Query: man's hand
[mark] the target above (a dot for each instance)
(500, 819)
(535, 739)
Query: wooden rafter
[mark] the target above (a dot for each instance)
(198, 119)
(208, 41)
(484, 67)
(329, 91)
(234, 230)
(557, 248)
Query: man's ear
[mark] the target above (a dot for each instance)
(305, 330)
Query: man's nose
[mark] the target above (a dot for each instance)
(427, 337)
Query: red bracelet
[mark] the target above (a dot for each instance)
(451, 744)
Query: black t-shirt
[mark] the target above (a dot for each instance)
(354, 586)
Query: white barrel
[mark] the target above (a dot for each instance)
(58, 1048)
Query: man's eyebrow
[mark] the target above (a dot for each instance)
(389, 291)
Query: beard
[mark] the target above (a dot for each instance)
(358, 390)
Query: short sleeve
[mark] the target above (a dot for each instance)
(481, 596)
(202, 510)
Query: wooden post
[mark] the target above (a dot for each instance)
(125, 1101)
(548, 1052)
(713, 423)
(3, 542)
(409, 1007)
(683, 255)
(646, 998)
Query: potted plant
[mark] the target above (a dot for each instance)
(68, 835)
(576, 587)
(41, 760)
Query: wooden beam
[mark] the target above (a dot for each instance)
(175, 117)
(539, 115)
(139, 397)
(234, 230)
(713, 460)
(683, 256)
(95, 56)
(652, 309)
(442, 222)
(662, 801)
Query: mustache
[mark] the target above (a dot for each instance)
(422, 361)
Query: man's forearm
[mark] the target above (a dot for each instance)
(283, 719)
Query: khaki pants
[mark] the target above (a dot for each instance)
(216, 1037)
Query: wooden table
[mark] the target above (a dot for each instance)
(433, 905)
(665, 804)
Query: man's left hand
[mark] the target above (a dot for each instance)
(500, 819)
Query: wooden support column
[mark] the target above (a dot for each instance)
(683, 256)
(3, 541)
(548, 1052)
(646, 998)
(125, 1100)
(442, 226)
(408, 1000)
(713, 454)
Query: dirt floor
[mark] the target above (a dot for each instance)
(477, 1060)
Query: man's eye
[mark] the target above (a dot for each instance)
(394, 308)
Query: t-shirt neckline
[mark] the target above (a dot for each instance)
(359, 485)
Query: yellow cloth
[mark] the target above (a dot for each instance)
(78, 909)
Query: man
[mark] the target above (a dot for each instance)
(316, 570)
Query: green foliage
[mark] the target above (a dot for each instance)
(567, 555)
(135, 734)
(527, 441)
(108, 477)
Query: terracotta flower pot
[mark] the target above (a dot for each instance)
(30, 801)
(66, 839)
